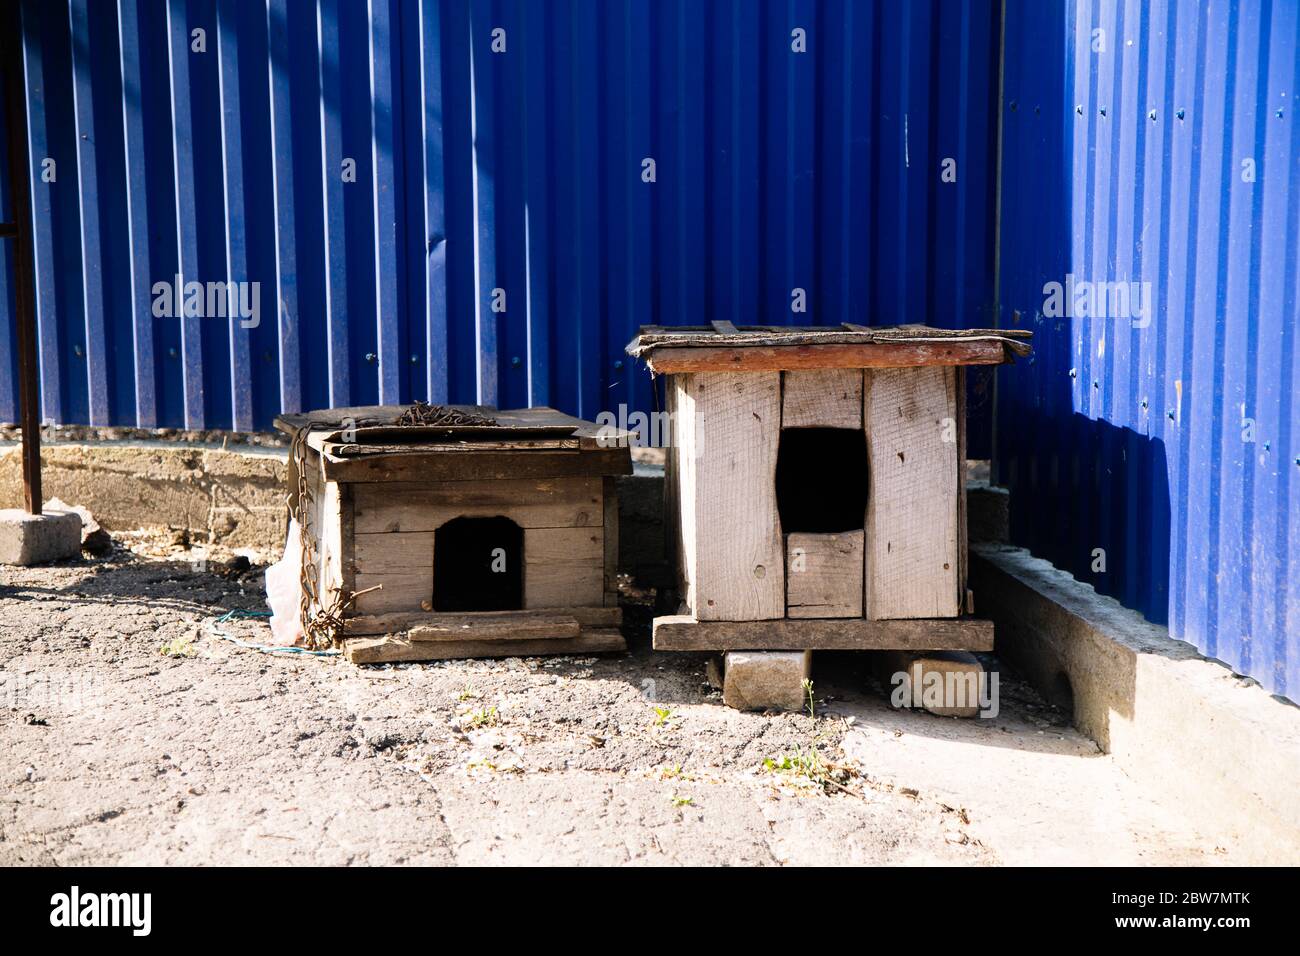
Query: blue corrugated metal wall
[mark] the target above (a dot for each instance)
(476, 170)
(1160, 142)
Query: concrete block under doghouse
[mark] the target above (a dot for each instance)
(815, 487)
(436, 532)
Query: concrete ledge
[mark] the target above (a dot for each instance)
(235, 496)
(1212, 744)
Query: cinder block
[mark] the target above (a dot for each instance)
(34, 539)
(765, 680)
(946, 683)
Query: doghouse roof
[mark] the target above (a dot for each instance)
(767, 348)
(369, 443)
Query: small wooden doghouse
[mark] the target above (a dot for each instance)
(816, 485)
(435, 532)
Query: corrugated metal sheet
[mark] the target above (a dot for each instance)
(477, 170)
(1159, 142)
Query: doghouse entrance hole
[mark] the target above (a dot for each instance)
(478, 565)
(821, 479)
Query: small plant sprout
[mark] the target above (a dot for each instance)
(481, 718)
(808, 689)
(467, 693)
(178, 647)
(682, 800)
(662, 715)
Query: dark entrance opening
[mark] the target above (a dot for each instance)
(478, 565)
(821, 479)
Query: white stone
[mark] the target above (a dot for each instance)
(35, 539)
(766, 680)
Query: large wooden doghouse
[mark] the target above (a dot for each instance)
(455, 531)
(816, 485)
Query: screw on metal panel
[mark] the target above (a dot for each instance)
(76, 350)
(415, 359)
(1171, 414)
(1267, 446)
(370, 356)
(1014, 106)
(1079, 109)
(1144, 403)
(1096, 384)
(1181, 114)
(1152, 115)
(1101, 110)
(1037, 110)
(171, 353)
(618, 364)
(1278, 114)
(1297, 461)
(515, 361)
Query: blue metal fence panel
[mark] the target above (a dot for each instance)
(481, 201)
(1152, 449)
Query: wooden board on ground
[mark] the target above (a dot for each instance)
(734, 529)
(912, 540)
(397, 622)
(682, 633)
(385, 650)
(495, 627)
(823, 576)
(822, 398)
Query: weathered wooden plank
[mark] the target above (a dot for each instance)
(822, 398)
(420, 465)
(731, 513)
(823, 575)
(683, 633)
(912, 540)
(563, 566)
(680, 484)
(401, 591)
(756, 358)
(399, 621)
(393, 551)
(963, 542)
(495, 627)
(530, 503)
(610, 530)
(384, 650)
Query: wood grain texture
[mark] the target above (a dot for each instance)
(823, 577)
(684, 633)
(739, 559)
(495, 627)
(399, 621)
(912, 539)
(383, 650)
(777, 358)
(609, 527)
(393, 551)
(680, 484)
(401, 591)
(544, 503)
(422, 465)
(563, 566)
(822, 398)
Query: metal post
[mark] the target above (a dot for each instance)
(11, 61)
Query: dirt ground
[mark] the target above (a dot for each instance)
(131, 732)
